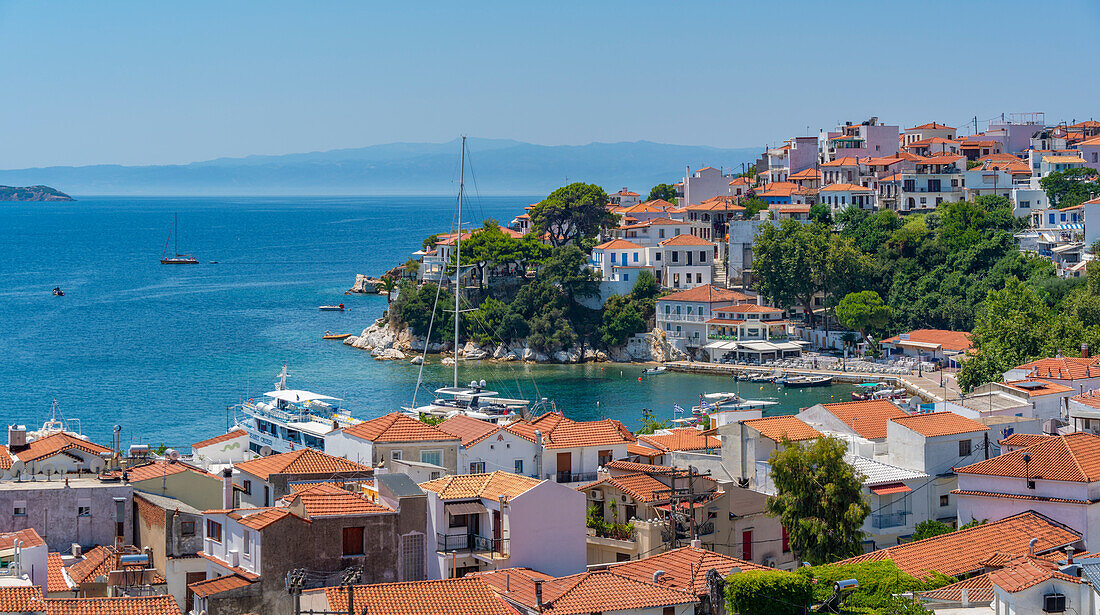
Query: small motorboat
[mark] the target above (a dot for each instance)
(806, 381)
(331, 308)
(57, 292)
(653, 371)
(329, 335)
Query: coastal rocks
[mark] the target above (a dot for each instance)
(473, 352)
(365, 284)
(501, 352)
(388, 354)
(511, 356)
(528, 354)
(417, 360)
(447, 361)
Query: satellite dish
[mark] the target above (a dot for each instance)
(265, 450)
(47, 469)
(17, 467)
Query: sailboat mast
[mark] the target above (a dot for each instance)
(458, 249)
(176, 232)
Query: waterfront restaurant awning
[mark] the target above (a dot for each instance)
(1071, 227)
(465, 508)
(889, 488)
(760, 346)
(720, 345)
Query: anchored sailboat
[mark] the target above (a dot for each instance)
(178, 259)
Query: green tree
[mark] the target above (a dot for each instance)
(412, 266)
(620, 320)
(429, 241)
(1011, 329)
(551, 331)
(389, 285)
(845, 270)
(567, 266)
(789, 262)
(662, 192)
(879, 582)
(650, 424)
(929, 528)
(820, 213)
(768, 592)
(818, 499)
(1070, 187)
(753, 206)
(863, 311)
(572, 213)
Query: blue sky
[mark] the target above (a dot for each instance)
(164, 82)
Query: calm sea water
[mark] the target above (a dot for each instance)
(163, 350)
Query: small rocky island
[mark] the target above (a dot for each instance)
(32, 193)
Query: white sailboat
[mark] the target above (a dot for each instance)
(472, 400)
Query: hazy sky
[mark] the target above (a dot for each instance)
(158, 82)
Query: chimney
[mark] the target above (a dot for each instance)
(1084, 350)
(538, 453)
(538, 594)
(1069, 555)
(696, 544)
(657, 574)
(17, 436)
(120, 520)
(227, 488)
(1031, 546)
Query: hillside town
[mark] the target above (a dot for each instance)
(948, 277)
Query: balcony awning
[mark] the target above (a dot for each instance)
(889, 488)
(465, 508)
(722, 346)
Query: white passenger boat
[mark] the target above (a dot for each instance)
(288, 419)
(474, 401)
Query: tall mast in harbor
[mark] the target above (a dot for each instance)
(176, 233)
(458, 249)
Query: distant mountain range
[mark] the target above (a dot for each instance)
(495, 166)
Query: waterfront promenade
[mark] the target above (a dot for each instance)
(927, 385)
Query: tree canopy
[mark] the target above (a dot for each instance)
(863, 311)
(662, 192)
(572, 213)
(1070, 187)
(819, 499)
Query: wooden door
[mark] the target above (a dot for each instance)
(565, 467)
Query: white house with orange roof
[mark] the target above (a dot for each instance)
(868, 138)
(934, 145)
(648, 210)
(620, 260)
(1083, 412)
(748, 444)
(394, 436)
(1059, 163)
(651, 232)
(1058, 477)
(862, 422)
(806, 178)
(226, 449)
(839, 197)
(262, 481)
(1042, 399)
(24, 555)
(571, 451)
(501, 520)
(624, 198)
(777, 193)
(845, 170)
(685, 261)
(750, 332)
(486, 447)
(927, 131)
(939, 345)
(703, 184)
(740, 187)
(934, 444)
(1090, 152)
(1079, 373)
(935, 179)
(682, 316)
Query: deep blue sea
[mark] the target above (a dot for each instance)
(163, 350)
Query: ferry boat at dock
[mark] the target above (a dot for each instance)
(475, 401)
(289, 419)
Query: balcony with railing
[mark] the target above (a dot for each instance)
(881, 521)
(571, 477)
(681, 317)
(450, 543)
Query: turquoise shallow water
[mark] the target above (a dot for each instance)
(162, 350)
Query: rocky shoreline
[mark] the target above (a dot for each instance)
(388, 343)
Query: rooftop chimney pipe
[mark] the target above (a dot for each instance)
(227, 488)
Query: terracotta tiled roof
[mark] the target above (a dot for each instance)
(640, 486)
(1017, 496)
(1073, 457)
(301, 461)
(683, 439)
(845, 188)
(1046, 388)
(163, 604)
(21, 599)
(217, 585)
(1025, 439)
(1089, 398)
(934, 424)
(560, 432)
(5, 458)
(1025, 572)
(463, 596)
(514, 584)
(805, 174)
(979, 590)
(630, 466)
(843, 161)
(741, 181)
(685, 568)
(161, 468)
(396, 427)
(618, 244)
(931, 126)
(948, 340)
(491, 485)
(685, 239)
(604, 590)
(55, 578)
(326, 500)
(29, 537)
(750, 308)
(777, 189)
(706, 293)
(262, 518)
(99, 562)
(51, 445)
(786, 426)
(470, 430)
(963, 551)
(236, 433)
(1063, 368)
(634, 448)
(347, 484)
(868, 418)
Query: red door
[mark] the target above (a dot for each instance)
(746, 545)
(565, 467)
(498, 532)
